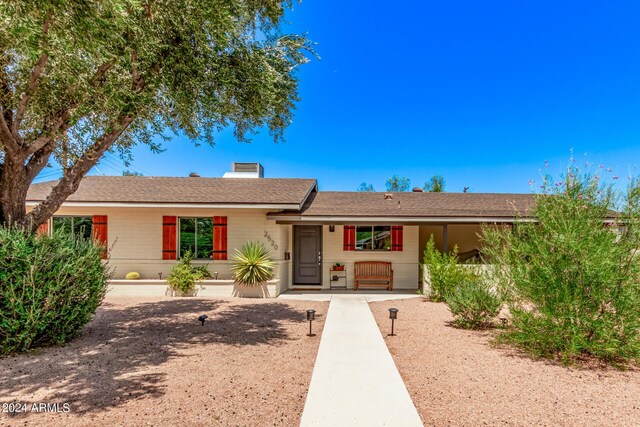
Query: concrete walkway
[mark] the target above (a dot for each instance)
(355, 381)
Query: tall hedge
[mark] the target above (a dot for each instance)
(50, 288)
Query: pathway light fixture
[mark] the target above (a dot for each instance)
(311, 316)
(393, 315)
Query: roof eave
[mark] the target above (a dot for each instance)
(306, 219)
(73, 204)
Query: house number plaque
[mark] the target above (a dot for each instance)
(270, 239)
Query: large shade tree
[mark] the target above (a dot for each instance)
(82, 77)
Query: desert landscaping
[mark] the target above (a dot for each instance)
(457, 377)
(150, 362)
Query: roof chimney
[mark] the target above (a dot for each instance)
(245, 170)
(417, 190)
(194, 175)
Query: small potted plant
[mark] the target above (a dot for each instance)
(338, 266)
(252, 268)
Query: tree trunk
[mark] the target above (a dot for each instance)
(14, 185)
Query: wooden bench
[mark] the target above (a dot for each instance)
(373, 273)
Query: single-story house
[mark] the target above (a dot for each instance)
(148, 222)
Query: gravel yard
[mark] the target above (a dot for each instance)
(455, 377)
(148, 361)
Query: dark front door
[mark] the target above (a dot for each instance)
(307, 254)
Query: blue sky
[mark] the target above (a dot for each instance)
(479, 92)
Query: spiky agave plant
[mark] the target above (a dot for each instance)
(252, 264)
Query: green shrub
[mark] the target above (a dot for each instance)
(473, 303)
(202, 272)
(252, 265)
(50, 288)
(444, 271)
(573, 275)
(184, 275)
(132, 276)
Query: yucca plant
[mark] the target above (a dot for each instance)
(252, 264)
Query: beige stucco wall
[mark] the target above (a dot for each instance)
(405, 265)
(135, 238)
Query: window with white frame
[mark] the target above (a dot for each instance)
(196, 236)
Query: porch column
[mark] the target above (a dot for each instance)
(445, 238)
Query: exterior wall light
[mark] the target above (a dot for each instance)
(393, 315)
(311, 316)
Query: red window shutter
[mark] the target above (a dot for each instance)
(220, 237)
(169, 242)
(43, 229)
(100, 232)
(396, 237)
(349, 238)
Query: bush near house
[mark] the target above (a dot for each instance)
(50, 288)
(473, 303)
(444, 271)
(466, 291)
(573, 276)
(184, 275)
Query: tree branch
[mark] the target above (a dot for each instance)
(101, 72)
(39, 160)
(72, 177)
(70, 181)
(5, 93)
(6, 114)
(6, 137)
(135, 75)
(63, 117)
(33, 79)
(31, 87)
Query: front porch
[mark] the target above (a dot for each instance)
(318, 248)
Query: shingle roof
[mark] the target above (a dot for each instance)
(136, 189)
(418, 205)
